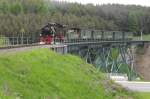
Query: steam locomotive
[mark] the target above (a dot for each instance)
(51, 32)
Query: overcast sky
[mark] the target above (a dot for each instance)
(136, 2)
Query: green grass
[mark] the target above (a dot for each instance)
(144, 95)
(43, 74)
(145, 37)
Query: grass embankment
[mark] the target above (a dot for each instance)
(43, 74)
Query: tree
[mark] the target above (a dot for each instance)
(16, 8)
(133, 23)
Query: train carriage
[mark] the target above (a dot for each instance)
(97, 34)
(85, 34)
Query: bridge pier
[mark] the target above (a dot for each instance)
(60, 48)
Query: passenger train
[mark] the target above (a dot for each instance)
(54, 32)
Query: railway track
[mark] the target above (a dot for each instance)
(72, 43)
(16, 48)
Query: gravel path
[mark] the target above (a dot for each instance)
(14, 50)
(135, 86)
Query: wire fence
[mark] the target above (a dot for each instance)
(14, 41)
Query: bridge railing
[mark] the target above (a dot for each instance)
(91, 40)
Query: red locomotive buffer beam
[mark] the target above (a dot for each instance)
(46, 39)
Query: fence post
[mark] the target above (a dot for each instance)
(27, 40)
(12, 40)
(17, 41)
(22, 38)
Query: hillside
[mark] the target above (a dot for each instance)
(42, 74)
(28, 16)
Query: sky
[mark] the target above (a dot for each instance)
(126, 2)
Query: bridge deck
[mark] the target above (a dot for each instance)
(108, 42)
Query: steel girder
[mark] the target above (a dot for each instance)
(110, 59)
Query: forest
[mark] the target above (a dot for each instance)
(28, 16)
